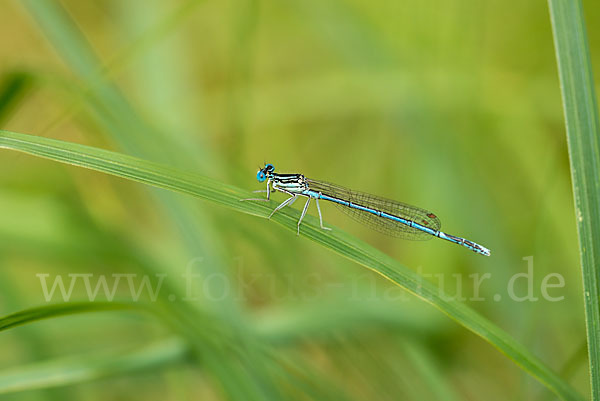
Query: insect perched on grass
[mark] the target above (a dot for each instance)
(384, 215)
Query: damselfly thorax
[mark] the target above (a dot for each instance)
(291, 183)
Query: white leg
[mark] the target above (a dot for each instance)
(285, 203)
(260, 199)
(303, 214)
(321, 217)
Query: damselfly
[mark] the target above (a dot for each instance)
(384, 215)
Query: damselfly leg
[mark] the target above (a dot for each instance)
(268, 191)
(303, 213)
(283, 204)
(321, 217)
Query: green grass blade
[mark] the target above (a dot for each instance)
(72, 370)
(12, 89)
(226, 195)
(55, 310)
(583, 135)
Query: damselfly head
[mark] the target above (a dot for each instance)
(264, 172)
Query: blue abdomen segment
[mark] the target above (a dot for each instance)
(392, 218)
(384, 215)
(375, 212)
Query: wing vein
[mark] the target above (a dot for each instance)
(381, 224)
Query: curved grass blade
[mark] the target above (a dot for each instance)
(583, 135)
(226, 195)
(82, 368)
(55, 310)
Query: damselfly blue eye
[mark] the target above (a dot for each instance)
(261, 176)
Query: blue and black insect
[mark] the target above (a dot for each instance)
(384, 215)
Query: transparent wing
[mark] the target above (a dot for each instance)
(381, 224)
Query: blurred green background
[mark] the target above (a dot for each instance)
(449, 105)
